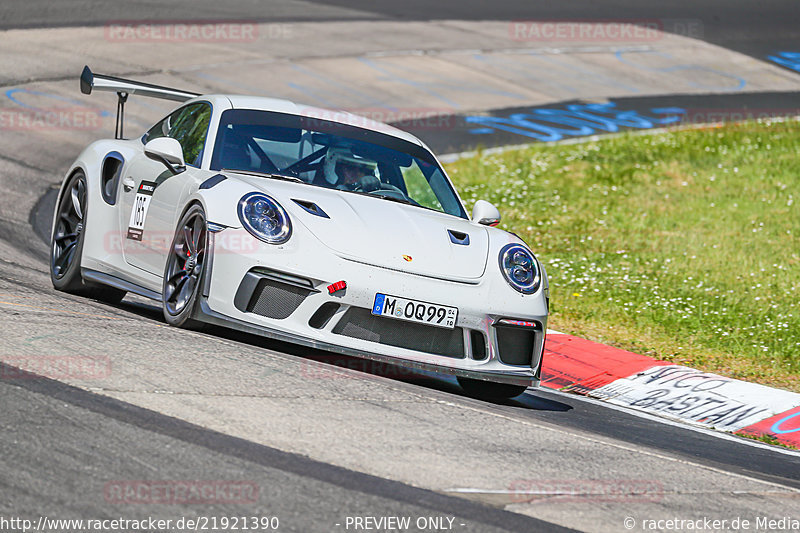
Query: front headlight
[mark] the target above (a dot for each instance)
(264, 218)
(520, 268)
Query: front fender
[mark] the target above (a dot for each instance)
(220, 202)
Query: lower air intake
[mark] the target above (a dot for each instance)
(478, 344)
(273, 299)
(362, 324)
(515, 345)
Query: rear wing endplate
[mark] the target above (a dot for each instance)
(100, 82)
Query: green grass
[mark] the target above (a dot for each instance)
(683, 245)
(768, 439)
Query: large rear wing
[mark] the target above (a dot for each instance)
(100, 82)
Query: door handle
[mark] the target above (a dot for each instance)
(128, 184)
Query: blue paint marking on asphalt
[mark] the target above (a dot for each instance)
(738, 80)
(481, 131)
(10, 94)
(576, 120)
(776, 427)
(674, 114)
(787, 59)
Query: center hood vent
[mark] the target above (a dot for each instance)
(458, 237)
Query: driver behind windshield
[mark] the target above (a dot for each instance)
(345, 170)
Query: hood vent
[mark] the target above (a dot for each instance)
(457, 237)
(311, 207)
(212, 181)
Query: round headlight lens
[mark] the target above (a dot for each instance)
(519, 268)
(264, 218)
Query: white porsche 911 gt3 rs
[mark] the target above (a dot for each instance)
(305, 225)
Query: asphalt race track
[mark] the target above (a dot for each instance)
(318, 439)
(738, 24)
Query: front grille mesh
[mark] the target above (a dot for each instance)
(273, 299)
(362, 324)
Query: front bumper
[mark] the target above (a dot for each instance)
(280, 292)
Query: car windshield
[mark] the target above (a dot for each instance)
(332, 155)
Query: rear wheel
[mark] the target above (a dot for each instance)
(66, 245)
(184, 270)
(488, 390)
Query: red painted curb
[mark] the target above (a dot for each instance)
(581, 366)
(784, 426)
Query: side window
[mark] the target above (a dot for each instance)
(189, 126)
(419, 188)
(160, 129)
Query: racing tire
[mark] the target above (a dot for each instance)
(184, 270)
(66, 245)
(488, 390)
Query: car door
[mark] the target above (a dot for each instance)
(152, 195)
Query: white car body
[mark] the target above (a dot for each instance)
(374, 245)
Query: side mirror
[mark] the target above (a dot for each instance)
(485, 213)
(167, 151)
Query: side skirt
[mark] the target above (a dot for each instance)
(113, 281)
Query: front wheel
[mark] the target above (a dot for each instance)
(488, 390)
(184, 270)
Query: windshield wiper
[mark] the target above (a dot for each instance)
(391, 198)
(271, 175)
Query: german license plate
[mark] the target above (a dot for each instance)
(415, 311)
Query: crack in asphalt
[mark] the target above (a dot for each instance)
(22, 163)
